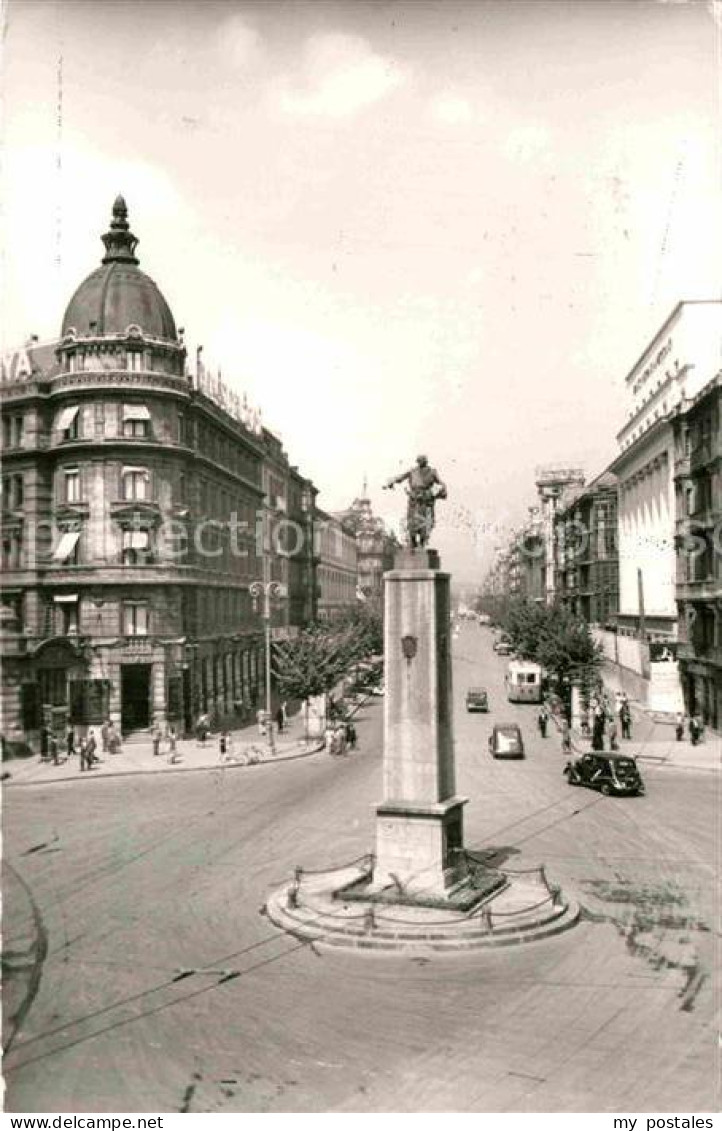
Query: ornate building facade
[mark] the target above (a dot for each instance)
(131, 510)
(698, 494)
(375, 547)
(587, 562)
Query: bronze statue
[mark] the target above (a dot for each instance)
(423, 489)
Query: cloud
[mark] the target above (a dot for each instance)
(340, 76)
(239, 43)
(526, 143)
(451, 110)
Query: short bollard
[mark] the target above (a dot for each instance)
(292, 895)
(298, 875)
(369, 920)
(556, 893)
(486, 918)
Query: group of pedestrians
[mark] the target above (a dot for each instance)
(85, 747)
(694, 726)
(340, 737)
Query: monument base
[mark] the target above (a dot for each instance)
(416, 846)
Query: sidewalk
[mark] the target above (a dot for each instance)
(247, 748)
(653, 742)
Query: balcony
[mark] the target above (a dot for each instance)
(700, 653)
(702, 454)
(708, 589)
(681, 467)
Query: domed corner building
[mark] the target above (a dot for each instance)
(124, 596)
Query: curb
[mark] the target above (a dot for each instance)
(179, 769)
(9, 783)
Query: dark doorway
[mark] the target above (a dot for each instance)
(134, 697)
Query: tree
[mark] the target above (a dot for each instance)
(556, 639)
(316, 660)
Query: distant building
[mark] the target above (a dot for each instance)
(375, 547)
(698, 496)
(337, 566)
(586, 547)
(555, 486)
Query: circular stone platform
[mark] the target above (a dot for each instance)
(526, 909)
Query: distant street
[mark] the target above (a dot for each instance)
(164, 989)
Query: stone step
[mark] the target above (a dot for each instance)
(321, 924)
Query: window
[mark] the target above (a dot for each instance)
(67, 612)
(135, 618)
(72, 485)
(136, 484)
(18, 429)
(19, 492)
(135, 360)
(67, 548)
(67, 423)
(136, 421)
(7, 431)
(136, 547)
(11, 551)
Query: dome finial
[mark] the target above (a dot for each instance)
(120, 243)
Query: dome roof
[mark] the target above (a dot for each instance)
(117, 294)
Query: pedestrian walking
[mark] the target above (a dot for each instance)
(679, 726)
(625, 719)
(340, 734)
(84, 764)
(44, 743)
(155, 738)
(351, 736)
(104, 735)
(261, 721)
(284, 712)
(566, 736)
(330, 740)
(695, 730)
(613, 733)
(91, 745)
(70, 742)
(223, 744)
(203, 726)
(173, 756)
(113, 740)
(542, 721)
(280, 720)
(598, 726)
(54, 750)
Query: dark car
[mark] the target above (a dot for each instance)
(477, 699)
(506, 741)
(502, 647)
(611, 773)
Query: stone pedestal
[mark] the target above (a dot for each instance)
(420, 821)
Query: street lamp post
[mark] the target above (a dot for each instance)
(267, 590)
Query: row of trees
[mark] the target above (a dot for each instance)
(320, 656)
(556, 639)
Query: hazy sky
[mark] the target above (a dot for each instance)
(407, 226)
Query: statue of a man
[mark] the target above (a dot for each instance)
(423, 489)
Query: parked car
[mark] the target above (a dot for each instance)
(506, 741)
(477, 699)
(502, 647)
(379, 689)
(611, 773)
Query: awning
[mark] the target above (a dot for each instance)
(66, 417)
(135, 471)
(65, 546)
(135, 539)
(135, 412)
(65, 598)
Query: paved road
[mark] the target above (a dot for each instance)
(164, 989)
